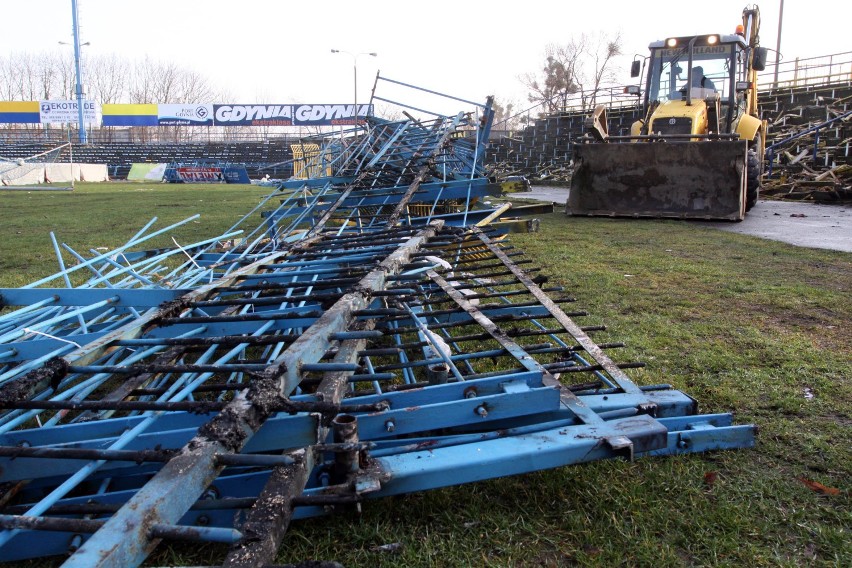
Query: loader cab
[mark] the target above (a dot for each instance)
(678, 65)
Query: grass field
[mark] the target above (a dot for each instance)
(755, 327)
(108, 215)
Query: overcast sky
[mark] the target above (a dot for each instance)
(271, 51)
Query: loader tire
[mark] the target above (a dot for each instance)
(754, 170)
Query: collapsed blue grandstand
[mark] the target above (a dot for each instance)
(364, 332)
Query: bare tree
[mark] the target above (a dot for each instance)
(142, 82)
(505, 116)
(388, 112)
(7, 88)
(26, 76)
(107, 78)
(66, 76)
(192, 88)
(24, 79)
(557, 79)
(580, 67)
(47, 76)
(602, 50)
(36, 76)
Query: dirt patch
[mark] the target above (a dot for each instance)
(825, 328)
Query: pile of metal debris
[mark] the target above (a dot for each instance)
(375, 334)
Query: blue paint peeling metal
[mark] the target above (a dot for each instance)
(376, 258)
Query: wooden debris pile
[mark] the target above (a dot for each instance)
(552, 174)
(540, 174)
(815, 165)
(831, 185)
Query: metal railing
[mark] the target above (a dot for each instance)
(614, 97)
(805, 72)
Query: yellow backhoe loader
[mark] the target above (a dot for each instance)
(698, 151)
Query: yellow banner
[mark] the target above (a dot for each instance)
(129, 110)
(18, 106)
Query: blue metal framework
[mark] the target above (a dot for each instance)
(374, 335)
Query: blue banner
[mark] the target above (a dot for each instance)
(253, 115)
(329, 115)
(288, 115)
(235, 174)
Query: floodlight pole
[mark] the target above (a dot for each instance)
(354, 57)
(79, 87)
(778, 42)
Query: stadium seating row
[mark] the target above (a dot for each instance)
(260, 158)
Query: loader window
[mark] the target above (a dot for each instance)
(670, 72)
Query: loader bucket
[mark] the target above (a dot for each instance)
(683, 180)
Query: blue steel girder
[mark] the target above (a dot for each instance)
(137, 298)
(482, 457)
(421, 353)
(427, 193)
(124, 539)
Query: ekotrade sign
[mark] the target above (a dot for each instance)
(57, 112)
(185, 114)
(329, 115)
(253, 115)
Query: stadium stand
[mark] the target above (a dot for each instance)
(270, 157)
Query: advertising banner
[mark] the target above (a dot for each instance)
(185, 114)
(288, 115)
(236, 174)
(189, 114)
(19, 112)
(130, 115)
(146, 172)
(200, 174)
(328, 115)
(60, 112)
(253, 115)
